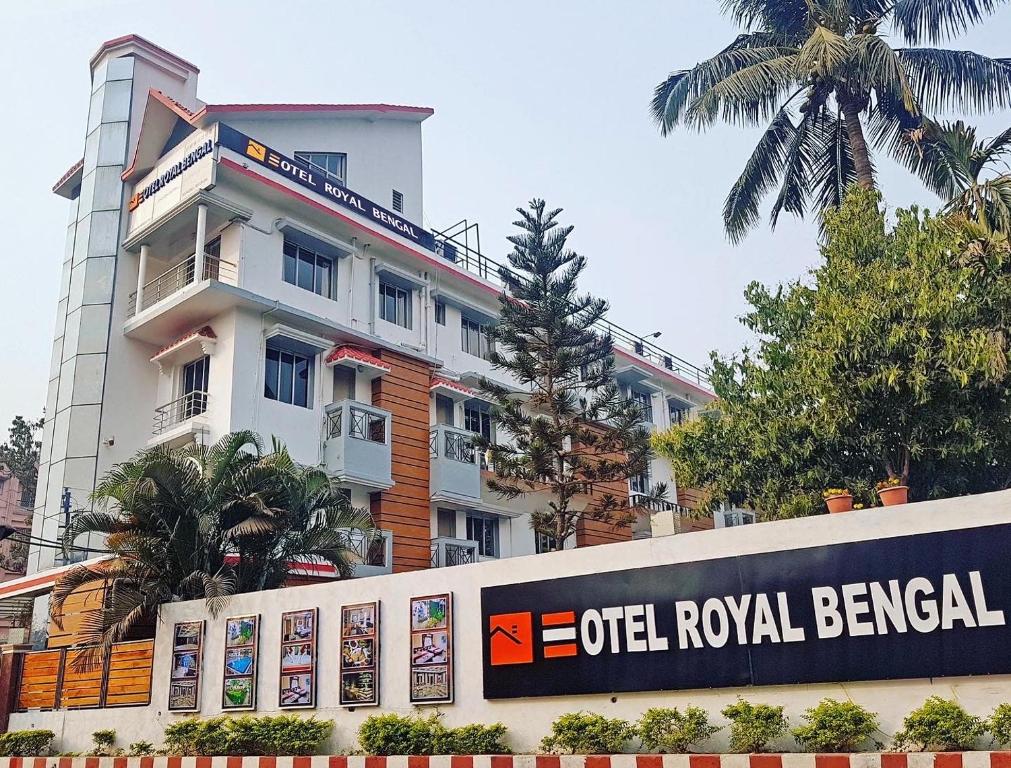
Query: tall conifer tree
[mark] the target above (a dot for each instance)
(571, 428)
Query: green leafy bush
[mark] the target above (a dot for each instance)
(939, 725)
(248, 735)
(394, 734)
(670, 730)
(104, 741)
(140, 749)
(25, 743)
(835, 726)
(583, 733)
(999, 724)
(754, 726)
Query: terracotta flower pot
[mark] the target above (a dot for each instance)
(841, 503)
(896, 494)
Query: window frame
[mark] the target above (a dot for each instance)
(468, 327)
(485, 520)
(309, 362)
(402, 298)
(297, 254)
(302, 156)
(440, 312)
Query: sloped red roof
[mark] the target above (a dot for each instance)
(70, 172)
(438, 381)
(206, 332)
(337, 354)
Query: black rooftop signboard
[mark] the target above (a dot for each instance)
(313, 179)
(917, 606)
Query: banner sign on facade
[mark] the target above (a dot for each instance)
(238, 691)
(298, 659)
(432, 649)
(918, 606)
(359, 655)
(316, 180)
(187, 660)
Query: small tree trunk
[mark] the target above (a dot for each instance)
(858, 145)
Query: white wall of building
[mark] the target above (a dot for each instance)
(528, 719)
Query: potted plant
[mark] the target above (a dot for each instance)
(892, 491)
(838, 500)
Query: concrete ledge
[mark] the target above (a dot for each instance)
(787, 760)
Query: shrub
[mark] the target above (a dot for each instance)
(753, 726)
(939, 725)
(669, 730)
(582, 733)
(835, 726)
(999, 724)
(399, 735)
(140, 749)
(268, 735)
(25, 743)
(473, 739)
(104, 741)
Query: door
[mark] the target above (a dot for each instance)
(194, 396)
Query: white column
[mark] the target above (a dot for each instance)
(198, 259)
(141, 277)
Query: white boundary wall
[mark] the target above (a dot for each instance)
(529, 719)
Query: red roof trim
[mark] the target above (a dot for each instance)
(186, 114)
(438, 381)
(73, 169)
(346, 352)
(393, 108)
(205, 332)
(116, 41)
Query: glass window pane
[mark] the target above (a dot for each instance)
(306, 267)
(270, 374)
(301, 383)
(323, 278)
(290, 258)
(287, 363)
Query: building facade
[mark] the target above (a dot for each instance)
(255, 266)
(16, 503)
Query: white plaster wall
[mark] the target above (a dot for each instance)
(528, 719)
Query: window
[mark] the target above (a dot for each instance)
(645, 401)
(474, 338)
(440, 312)
(477, 420)
(195, 376)
(398, 201)
(395, 305)
(333, 164)
(484, 530)
(308, 269)
(679, 415)
(287, 377)
(446, 523)
(545, 542)
(639, 483)
(27, 500)
(737, 517)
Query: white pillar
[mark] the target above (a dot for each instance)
(141, 277)
(198, 259)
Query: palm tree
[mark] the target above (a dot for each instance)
(206, 523)
(818, 72)
(951, 161)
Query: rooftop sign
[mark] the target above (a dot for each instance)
(312, 179)
(927, 605)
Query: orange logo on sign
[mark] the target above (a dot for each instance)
(256, 150)
(512, 638)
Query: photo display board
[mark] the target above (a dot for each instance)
(432, 649)
(187, 657)
(359, 655)
(298, 659)
(238, 691)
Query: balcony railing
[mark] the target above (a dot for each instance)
(179, 410)
(374, 552)
(451, 443)
(447, 551)
(178, 277)
(366, 423)
(643, 501)
(356, 443)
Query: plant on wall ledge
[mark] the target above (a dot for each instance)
(939, 725)
(835, 726)
(754, 726)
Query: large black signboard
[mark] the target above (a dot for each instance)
(926, 605)
(316, 180)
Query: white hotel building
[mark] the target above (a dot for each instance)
(259, 266)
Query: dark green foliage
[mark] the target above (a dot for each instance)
(393, 734)
(247, 735)
(999, 724)
(20, 454)
(835, 726)
(672, 731)
(754, 726)
(583, 733)
(575, 428)
(35, 743)
(939, 725)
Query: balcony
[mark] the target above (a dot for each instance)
(447, 551)
(356, 444)
(178, 277)
(456, 472)
(178, 421)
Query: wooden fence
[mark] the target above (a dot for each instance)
(62, 679)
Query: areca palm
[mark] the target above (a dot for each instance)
(816, 74)
(206, 522)
(951, 160)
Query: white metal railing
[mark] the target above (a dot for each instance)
(179, 410)
(448, 551)
(178, 277)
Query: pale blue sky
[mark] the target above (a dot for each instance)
(531, 98)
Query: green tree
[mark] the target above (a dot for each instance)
(20, 454)
(207, 522)
(574, 428)
(891, 361)
(818, 73)
(952, 161)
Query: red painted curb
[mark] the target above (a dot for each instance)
(335, 761)
(704, 761)
(1000, 760)
(649, 761)
(765, 761)
(547, 761)
(948, 760)
(461, 761)
(417, 761)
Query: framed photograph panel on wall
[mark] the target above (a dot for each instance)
(238, 689)
(187, 659)
(298, 659)
(432, 649)
(359, 655)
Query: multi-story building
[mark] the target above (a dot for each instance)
(16, 503)
(260, 266)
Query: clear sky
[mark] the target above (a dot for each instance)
(531, 98)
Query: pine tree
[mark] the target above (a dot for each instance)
(571, 428)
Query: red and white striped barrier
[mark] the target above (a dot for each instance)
(787, 760)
